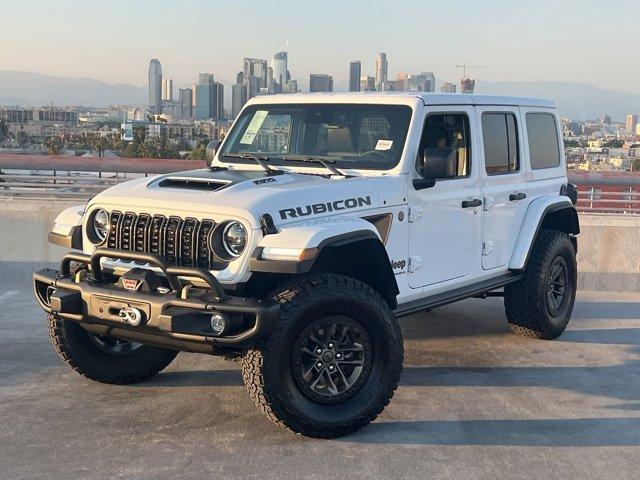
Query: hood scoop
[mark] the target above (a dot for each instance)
(193, 184)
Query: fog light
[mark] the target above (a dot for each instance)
(218, 323)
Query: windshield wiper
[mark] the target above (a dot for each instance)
(259, 159)
(326, 163)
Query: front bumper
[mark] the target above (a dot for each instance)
(178, 319)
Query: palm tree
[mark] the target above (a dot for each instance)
(53, 145)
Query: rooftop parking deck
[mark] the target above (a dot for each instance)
(474, 401)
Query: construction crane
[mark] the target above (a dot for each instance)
(464, 67)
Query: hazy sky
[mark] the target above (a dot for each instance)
(570, 40)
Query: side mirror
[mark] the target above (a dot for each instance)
(422, 183)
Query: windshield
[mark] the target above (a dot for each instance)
(352, 136)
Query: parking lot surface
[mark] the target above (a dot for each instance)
(474, 401)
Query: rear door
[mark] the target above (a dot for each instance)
(504, 182)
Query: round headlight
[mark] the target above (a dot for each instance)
(100, 225)
(234, 238)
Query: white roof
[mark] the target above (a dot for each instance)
(404, 98)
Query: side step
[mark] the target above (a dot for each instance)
(444, 298)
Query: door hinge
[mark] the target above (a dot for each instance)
(488, 203)
(414, 213)
(414, 263)
(487, 248)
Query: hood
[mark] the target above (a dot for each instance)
(247, 194)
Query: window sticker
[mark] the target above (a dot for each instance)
(252, 130)
(384, 144)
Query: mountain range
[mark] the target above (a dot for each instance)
(579, 101)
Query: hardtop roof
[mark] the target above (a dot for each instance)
(404, 97)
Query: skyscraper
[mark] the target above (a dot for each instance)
(355, 70)
(632, 122)
(205, 79)
(155, 86)
(367, 84)
(255, 73)
(209, 101)
(382, 67)
(319, 82)
(167, 89)
(279, 65)
(238, 95)
(185, 95)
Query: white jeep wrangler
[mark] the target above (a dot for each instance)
(320, 220)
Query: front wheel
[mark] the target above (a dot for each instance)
(105, 359)
(540, 305)
(334, 361)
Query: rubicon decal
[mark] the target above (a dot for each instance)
(318, 208)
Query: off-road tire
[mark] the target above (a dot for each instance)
(75, 347)
(526, 303)
(267, 370)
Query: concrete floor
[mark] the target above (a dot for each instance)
(474, 402)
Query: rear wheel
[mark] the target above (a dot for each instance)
(540, 305)
(334, 362)
(106, 359)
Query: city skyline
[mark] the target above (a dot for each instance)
(449, 35)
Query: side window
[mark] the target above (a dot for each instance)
(445, 148)
(544, 147)
(499, 133)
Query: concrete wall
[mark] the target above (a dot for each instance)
(608, 253)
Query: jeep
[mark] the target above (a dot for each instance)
(318, 222)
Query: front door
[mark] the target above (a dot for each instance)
(504, 183)
(445, 229)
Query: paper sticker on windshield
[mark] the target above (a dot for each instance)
(384, 144)
(252, 130)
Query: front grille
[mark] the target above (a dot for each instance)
(182, 242)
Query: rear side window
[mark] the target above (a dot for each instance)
(543, 140)
(499, 133)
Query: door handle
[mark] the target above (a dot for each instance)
(476, 202)
(517, 196)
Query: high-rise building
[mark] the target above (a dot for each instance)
(279, 64)
(255, 73)
(467, 85)
(448, 87)
(209, 101)
(632, 122)
(429, 80)
(605, 119)
(355, 70)
(291, 86)
(167, 89)
(402, 81)
(218, 101)
(185, 96)
(382, 68)
(205, 79)
(367, 84)
(238, 95)
(319, 82)
(155, 86)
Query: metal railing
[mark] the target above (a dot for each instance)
(59, 177)
(594, 200)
